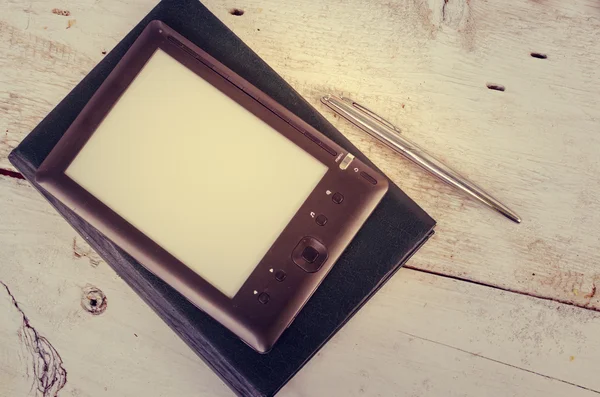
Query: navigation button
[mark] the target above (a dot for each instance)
(337, 198)
(321, 220)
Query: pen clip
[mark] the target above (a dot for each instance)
(371, 114)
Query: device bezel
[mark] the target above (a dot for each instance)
(256, 323)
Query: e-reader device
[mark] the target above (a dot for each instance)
(211, 185)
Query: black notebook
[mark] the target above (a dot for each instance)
(395, 230)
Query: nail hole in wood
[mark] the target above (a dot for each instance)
(497, 87)
(237, 12)
(538, 55)
(93, 300)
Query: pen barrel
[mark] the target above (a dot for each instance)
(453, 178)
(414, 153)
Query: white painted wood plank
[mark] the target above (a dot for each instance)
(42, 60)
(420, 335)
(128, 350)
(535, 145)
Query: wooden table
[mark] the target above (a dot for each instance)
(487, 307)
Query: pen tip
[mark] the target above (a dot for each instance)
(507, 213)
(513, 217)
(326, 98)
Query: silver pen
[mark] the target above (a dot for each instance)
(385, 132)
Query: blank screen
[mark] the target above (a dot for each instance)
(197, 173)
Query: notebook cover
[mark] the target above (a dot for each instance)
(396, 229)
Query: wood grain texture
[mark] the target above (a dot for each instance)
(97, 357)
(42, 60)
(420, 335)
(424, 65)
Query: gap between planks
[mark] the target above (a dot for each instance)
(511, 290)
(17, 175)
(11, 174)
(488, 358)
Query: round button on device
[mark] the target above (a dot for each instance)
(337, 198)
(280, 275)
(321, 220)
(263, 298)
